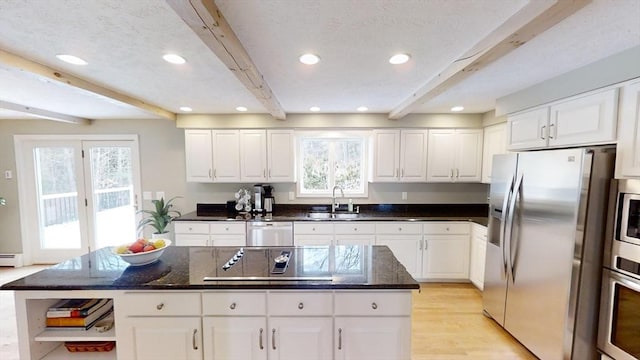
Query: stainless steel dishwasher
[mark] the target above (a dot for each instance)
(269, 233)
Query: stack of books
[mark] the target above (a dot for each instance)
(78, 314)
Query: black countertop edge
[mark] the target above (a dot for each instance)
(215, 285)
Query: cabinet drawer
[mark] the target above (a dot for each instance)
(234, 303)
(399, 228)
(447, 228)
(160, 304)
(191, 227)
(192, 240)
(373, 303)
(312, 228)
(355, 228)
(300, 303)
(228, 228)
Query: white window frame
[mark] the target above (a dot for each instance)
(349, 134)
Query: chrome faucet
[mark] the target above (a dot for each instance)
(334, 204)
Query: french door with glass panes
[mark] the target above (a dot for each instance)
(80, 196)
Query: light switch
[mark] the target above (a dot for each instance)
(404, 195)
(8, 174)
(292, 196)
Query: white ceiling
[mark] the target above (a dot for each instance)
(123, 41)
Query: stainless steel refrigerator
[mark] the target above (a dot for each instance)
(547, 220)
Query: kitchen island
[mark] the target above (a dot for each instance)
(332, 302)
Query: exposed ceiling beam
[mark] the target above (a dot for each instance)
(45, 114)
(29, 66)
(533, 19)
(206, 20)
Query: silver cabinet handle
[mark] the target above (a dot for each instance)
(399, 229)
(374, 306)
(457, 173)
(355, 229)
(451, 174)
(194, 344)
(160, 306)
(300, 306)
(420, 245)
(273, 339)
(554, 130)
(232, 306)
(339, 338)
(402, 173)
(260, 340)
(210, 177)
(542, 132)
(214, 173)
(264, 173)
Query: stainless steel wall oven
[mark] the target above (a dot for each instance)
(619, 331)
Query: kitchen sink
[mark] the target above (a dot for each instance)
(337, 215)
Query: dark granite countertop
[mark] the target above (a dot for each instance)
(333, 267)
(477, 213)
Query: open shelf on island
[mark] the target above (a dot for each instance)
(61, 353)
(76, 335)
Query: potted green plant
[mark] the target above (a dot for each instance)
(159, 218)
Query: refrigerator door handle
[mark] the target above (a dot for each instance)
(505, 210)
(512, 207)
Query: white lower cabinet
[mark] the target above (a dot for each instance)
(446, 257)
(210, 233)
(235, 337)
(160, 338)
(354, 233)
(313, 233)
(478, 255)
(308, 338)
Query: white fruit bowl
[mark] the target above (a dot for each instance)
(143, 258)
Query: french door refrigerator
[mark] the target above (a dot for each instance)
(544, 255)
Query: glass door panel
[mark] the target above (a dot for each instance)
(113, 199)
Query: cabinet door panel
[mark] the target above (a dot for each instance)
(226, 156)
(354, 239)
(585, 120)
(386, 155)
(281, 156)
(528, 129)
(233, 338)
(372, 338)
(441, 155)
(153, 338)
(407, 249)
(628, 154)
(253, 155)
(199, 156)
(495, 142)
(468, 164)
(446, 257)
(413, 156)
(295, 338)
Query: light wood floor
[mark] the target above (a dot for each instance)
(448, 324)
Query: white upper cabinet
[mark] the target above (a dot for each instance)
(628, 152)
(226, 155)
(386, 155)
(399, 155)
(495, 143)
(253, 155)
(280, 156)
(586, 119)
(454, 155)
(199, 156)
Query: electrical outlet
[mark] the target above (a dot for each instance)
(404, 195)
(292, 195)
(159, 195)
(147, 195)
(8, 174)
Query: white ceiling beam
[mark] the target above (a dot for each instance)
(44, 71)
(206, 20)
(533, 19)
(45, 114)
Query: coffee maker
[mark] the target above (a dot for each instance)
(268, 199)
(258, 198)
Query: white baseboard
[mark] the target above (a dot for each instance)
(14, 260)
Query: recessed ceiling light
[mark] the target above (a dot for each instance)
(398, 59)
(185, 108)
(241, 108)
(309, 59)
(457, 108)
(174, 59)
(314, 109)
(362, 108)
(71, 59)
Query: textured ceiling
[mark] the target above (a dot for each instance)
(123, 41)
